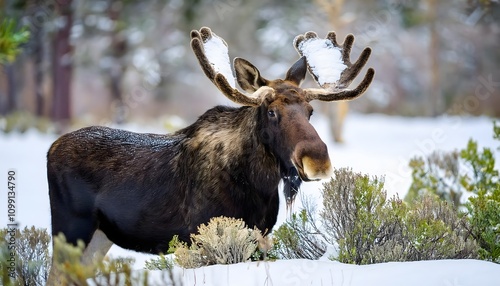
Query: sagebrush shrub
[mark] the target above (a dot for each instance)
(67, 260)
(448, 175)
(439, 173)
(352, 212)
(160, 263)
(429, 229)
(368, 228)
(297, 238)
(222, 241)
(32, 260)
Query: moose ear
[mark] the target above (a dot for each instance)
(248, 76)
(297, 72)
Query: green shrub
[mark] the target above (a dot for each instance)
(448, 175)
(496, 131)
(222, 241)
(484, 208)
(297, 238)
(159, 263)
(352, 211)
(11, 40)
(438, 174)
(21, 121)
(481, 173)
(429, 229)
(32, 260)
(484, 219)
(368, 228)
(102, 272)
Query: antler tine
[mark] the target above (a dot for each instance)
(197, 46)
(341, 94)
(330, 65)
(212, 54)
(353, 70)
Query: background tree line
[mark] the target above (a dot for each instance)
(117, 60)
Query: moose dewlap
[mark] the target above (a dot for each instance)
(139, 190)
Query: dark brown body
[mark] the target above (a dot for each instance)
(141, 189)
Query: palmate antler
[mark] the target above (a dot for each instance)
(330, 65)
(327, 61)
(212, 54)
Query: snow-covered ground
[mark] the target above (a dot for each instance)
(375, 144)
(306, 272)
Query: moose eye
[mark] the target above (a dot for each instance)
(271, 113)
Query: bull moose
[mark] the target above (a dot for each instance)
(139, 190)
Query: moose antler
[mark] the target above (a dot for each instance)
(212, 54)
(328, 62)
(330, 65)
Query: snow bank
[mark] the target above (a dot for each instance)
(307, 272)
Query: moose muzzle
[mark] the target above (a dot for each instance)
(312, 160)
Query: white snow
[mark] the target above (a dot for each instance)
(218, 56)
(324, 59)
(375, 144)
(306, 272)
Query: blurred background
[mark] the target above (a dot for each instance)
(116, 61)
(66, 64)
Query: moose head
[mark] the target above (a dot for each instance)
(284, 107)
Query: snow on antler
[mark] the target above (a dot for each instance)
(324, 59)
(217, 54)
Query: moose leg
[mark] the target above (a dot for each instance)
(97, 248)
(54, 276)
(74, 229)
(72, 214)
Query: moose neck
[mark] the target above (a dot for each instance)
(227, 139)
